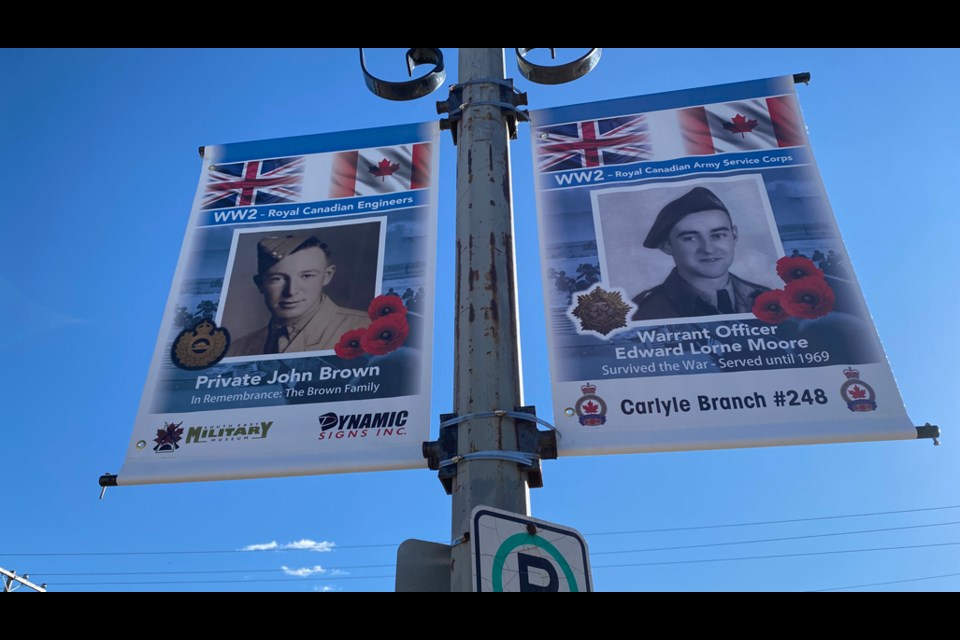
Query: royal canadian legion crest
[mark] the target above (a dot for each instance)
(858, 395)
(200, 347)
(591, 408)
(601, 311)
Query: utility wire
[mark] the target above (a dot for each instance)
(300, 580)
(753, 524)
(200, 571)
(736, 542)
(880, 584)
(645, 564)
(770, 557)
(193, 552)
(603, 566)
(601, 533)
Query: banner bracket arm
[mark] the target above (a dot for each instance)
(931, 431)
(107, 480)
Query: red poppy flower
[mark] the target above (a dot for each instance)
(385, 334)
(350, 344)
(768, 306)
(386, 305)
(808, 298)
(791, 269)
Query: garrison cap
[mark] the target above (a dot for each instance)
(697, 199)
(273, 249)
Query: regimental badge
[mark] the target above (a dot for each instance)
(858, 395)
(590, 408)
(200, 347)
(168, 438)
(601, 311)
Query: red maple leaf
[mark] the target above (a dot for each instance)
(740, 125)
(591, 407)
(857, 393)
(386, 168)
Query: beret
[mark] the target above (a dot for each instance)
(697, 199)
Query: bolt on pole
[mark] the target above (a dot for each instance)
(487, 355)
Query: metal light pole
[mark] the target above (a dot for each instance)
(489, 449)
(487, 354)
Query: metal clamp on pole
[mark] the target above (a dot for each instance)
(533, 445)
(409, 89)
(557, 74)
(510, 99)
(443, 448)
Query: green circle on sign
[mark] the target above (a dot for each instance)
(520, 539)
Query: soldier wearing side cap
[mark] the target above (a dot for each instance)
(291, 274)
(697, 230)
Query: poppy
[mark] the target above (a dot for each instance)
(768, 306)
(790, 269)
(808, 298)
(386, 305)
(385, 334)
(350, 344)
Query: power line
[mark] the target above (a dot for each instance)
(806, 537)
(396, 544)
(151, 582)
(880, 584)
(613, 566)
(382, 566)
(771, 557)
(190, 552)
(211, 571)
(752, 524)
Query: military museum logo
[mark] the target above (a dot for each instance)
(200, 347)
(591, 408)
(858, 395)
(601, 311)
(168, 438)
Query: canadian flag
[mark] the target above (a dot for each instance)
(747, 125)
(382, 170)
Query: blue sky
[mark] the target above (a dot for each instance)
(98, 158)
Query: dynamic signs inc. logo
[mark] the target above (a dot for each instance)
(362, 425)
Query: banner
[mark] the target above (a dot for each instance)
(698, 293)
(297, 335)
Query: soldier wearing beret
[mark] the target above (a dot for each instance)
(697, 231)
(291, 274)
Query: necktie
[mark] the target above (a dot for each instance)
(723, 301)
(273, 340)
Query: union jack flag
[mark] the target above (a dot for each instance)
(577, 145)
(255, 182)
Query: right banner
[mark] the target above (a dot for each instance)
(698, 293)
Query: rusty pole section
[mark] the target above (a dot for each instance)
(487, 353)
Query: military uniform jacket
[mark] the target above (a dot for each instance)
(321, 332)
(674, 298)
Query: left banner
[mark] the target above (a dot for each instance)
(297, 335)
